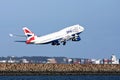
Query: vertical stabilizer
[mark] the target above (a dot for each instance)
(30, 35)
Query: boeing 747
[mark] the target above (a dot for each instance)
(56, 38)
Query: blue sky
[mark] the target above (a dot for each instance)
(100, 18)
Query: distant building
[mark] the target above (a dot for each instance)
(3, 61)
(105, 61)
(11, 61)
(94, 61)
(87, 61)
(82, 61)
(114, 60)
(51, 60)
(70, 60)
(76, 61)
(24, 61)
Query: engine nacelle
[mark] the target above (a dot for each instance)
(76, 39)
(55, 43)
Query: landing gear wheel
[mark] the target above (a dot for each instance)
(64, 43)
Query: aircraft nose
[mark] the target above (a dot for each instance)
(82, 28)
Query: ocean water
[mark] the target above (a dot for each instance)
(81, 77)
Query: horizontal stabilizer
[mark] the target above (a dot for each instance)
(20, 41)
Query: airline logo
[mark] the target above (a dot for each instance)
(30, 35)
(30, 40)
(69, 31)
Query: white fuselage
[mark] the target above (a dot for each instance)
(64, 34)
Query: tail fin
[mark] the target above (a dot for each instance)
(30, 35)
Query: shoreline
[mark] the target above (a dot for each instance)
(31, 69)
(38, 73)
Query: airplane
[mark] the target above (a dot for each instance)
(56, 38)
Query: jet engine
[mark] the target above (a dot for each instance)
(77, 38)
(55, 43)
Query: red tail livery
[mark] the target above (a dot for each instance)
(29, 34)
